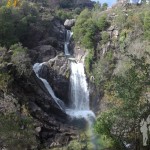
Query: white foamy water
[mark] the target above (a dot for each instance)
(36, 69)
(66, 44)
(79, 94)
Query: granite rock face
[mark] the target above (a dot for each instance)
(69, 23)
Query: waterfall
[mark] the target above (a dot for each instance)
(36, 69)
(79, 89)
(79, 93)
(67, 41)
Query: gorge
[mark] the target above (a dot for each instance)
(74, 75)
(79, 93)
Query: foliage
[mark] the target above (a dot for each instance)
(82, 34)
(102, 22)
(105, 37)
(66, 3)
(4, 80)
(17, 132)
(120, 19)
(77, 10)
(89, 61)
(128, 91)
(104, 6)
(13, 3)
(147, 25)
(20, 59)
(63, 15)
(14, 23)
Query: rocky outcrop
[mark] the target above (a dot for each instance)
(69, 23)
(54, 121)
(56, 72)
(55, 126)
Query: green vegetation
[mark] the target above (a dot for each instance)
(63, 15)
(147, 25)
(105, 37)
(21, 60)
(14, 23)
(120, 65)
(85, 31)
(66, 3)
(124, 81)
(17, 133)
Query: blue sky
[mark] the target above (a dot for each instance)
(109, 2)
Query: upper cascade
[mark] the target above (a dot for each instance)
(67, 41)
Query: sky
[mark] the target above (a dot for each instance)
(109, 2)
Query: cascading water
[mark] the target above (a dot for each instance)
(36, 69)
(67, 41)
(79, 94)
(79, 88)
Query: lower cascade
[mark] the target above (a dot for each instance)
(79, 93)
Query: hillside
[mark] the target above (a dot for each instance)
(114, 46)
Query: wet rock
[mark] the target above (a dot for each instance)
(53, 73)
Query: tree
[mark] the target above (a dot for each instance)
(104, 6)
(13, 3)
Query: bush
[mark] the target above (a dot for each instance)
(63, 15)
(126, 101)
(102, 22)
(105, 37)
(89, 61)
(12, 134)
(66, 3)
(84, 29)
(104, 6)
(21, 60)
(147, 25)
(14, 23)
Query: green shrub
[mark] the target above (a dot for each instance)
(147, 25)
(104, 6)
(14, 23)
(105, 37)
(63, 15)
(12, 134)
(77, 10)
(102, 22)
(84, 29)
(66, 3)
(20, 59)
(89, 61)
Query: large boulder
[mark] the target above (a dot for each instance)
(69, 23)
